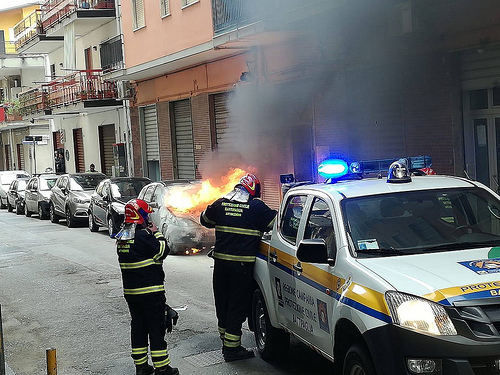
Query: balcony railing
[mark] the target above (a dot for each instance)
(33, 101)
(55, 10)
(72, 89)
(111, 55)
(28, 28)
(79, 86)
(7, 47)
(230, 14)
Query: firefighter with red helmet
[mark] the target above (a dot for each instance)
(239, 218)
(141, 250)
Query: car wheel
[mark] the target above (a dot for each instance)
(357, 361)
(92, 225)
(19, 209)
(41, 215)
(9, 207)
(52, 214)
(271, 342)
(70, 219)
(111, 227)
(27, 212)
(2, 205)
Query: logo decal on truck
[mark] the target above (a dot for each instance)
(483, 266)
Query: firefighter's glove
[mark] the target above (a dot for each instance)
(171, 317)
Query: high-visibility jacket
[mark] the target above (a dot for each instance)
(238, 227)
(141, 262)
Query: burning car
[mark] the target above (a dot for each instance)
(181, 227)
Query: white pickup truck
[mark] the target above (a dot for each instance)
(387, 276)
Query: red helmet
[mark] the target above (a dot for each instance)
(137, 211)
(251, 184)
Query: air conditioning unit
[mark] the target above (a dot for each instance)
(125, 90)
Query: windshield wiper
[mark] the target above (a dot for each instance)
(389, 252)
(461, 245)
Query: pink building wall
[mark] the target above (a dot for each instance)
(160, 37)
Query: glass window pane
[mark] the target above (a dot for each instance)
(291, 218)
(496, 96)
(478, 99)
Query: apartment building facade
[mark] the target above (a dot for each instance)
(15, 72)
(276, 87)
(78, 97)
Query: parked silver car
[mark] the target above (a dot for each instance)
(184, 233)
(70, 196)
(6, 178)
(15, 195)
(37, 195)
(107, 203)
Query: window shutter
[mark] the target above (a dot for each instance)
(187, 2)
(138, 16)
(165, 7)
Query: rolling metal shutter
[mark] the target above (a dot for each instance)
(107, 139)
(184, 148)
(151, 133)
(78, 143)
(226, 129)
(20, 156)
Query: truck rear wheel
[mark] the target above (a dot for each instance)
(271, 342)
(358, 361)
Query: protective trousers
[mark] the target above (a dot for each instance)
(148, 321)
(232, 283)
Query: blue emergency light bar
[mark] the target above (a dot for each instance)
(335, 169)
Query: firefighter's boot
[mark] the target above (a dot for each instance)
(167, 370)
(144, 369)
(236, 354)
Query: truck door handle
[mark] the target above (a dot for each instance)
(297, 267)
(273, 257)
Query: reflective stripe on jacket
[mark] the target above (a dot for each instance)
(141, 262)
(238, 227)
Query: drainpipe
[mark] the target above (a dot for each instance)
(11, 141)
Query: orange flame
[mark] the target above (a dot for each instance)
(195, 199)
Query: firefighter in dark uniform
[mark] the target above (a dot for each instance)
(141, 250)
(239, 219)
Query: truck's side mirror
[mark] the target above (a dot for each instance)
(313, 251)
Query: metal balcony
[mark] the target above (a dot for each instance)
(111, 55)
(57, 13)
(30, 35)
(80, 86)
(33, 101)
(232, 14)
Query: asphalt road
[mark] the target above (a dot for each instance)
(61, 288)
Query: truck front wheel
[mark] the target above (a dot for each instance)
(358, 361)
(271, 342)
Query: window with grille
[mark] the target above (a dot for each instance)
(138, 19)
(165, 8)
(188, 2)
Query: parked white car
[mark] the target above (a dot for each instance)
(6, 178)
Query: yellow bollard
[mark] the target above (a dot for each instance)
(51, 361)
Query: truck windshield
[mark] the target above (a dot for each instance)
(422, 221)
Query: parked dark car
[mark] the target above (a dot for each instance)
(37, 195)
(70, 196)
(107, 202)
(15, 195)
(184, 233)
(6, 178)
